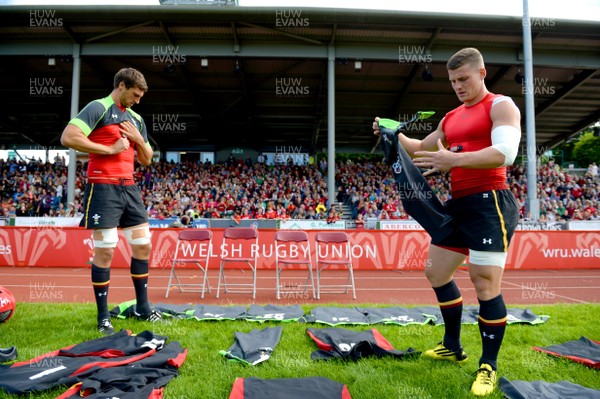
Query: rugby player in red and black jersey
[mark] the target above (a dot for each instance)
(113, 135)
(475, 142)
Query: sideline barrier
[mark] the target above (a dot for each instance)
(295, 224)
(292, 224)
(372, 249)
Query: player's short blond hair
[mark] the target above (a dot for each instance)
(467, 55)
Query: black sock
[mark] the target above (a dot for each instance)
(139, 275)
(492, 324)
(451, 306)
(100, 282)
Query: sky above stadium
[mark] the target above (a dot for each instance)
(573, 9)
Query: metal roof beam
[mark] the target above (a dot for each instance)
(567, 89)
(292, 49)
(283, 33)
(584, 123)
(118, 31)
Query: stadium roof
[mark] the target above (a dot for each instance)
(232, 76)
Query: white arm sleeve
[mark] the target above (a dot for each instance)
(506, 140)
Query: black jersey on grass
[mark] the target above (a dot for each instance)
(542, 389)
(583, 350)
(81, 363)
(353, 345)
(289, 388)
(254, 347)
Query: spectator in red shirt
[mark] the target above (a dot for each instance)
(589, 209)
(360, 222)
(271, 213)
(237, 216)
(260, 213)
(245, 214)
(332, 216)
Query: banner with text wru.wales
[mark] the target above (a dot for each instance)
(370, 249)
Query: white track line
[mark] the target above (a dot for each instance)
(125, 274)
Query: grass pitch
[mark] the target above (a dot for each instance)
(39, 328)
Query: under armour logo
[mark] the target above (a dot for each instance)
(485, 195)
(487, 240)
(114, 116)
(103, 294)
(397, 167)
(490, 336)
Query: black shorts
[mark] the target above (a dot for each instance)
(110, 205)
(482, 222)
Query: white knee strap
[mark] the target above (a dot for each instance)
(138, 235)
(105, 238)
(484, 258)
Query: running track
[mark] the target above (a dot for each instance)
(525, 287)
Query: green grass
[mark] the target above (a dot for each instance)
(39, 328)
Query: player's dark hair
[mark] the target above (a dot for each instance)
(467, 55)
(132, 78)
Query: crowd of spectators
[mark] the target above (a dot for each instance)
(242, 189)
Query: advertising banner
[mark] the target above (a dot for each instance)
(399, 225)
(371, 250)
(295, 224)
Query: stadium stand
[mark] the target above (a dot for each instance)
(245, 190)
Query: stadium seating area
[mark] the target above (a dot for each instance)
(245, 190)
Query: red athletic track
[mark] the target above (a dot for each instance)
(525, 287)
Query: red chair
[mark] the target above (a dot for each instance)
(333, 249)
(240, 245)
(292, 248)
(194, 246)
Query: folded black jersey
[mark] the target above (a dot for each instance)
(119, 344)
(337, 316)
(546, 390)
(254, 347)
(289, 388)
(348, 344)
(143, 379)
(274, 313)
(470, 315)
(583, 350)
(80, 363)
(418, 198)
